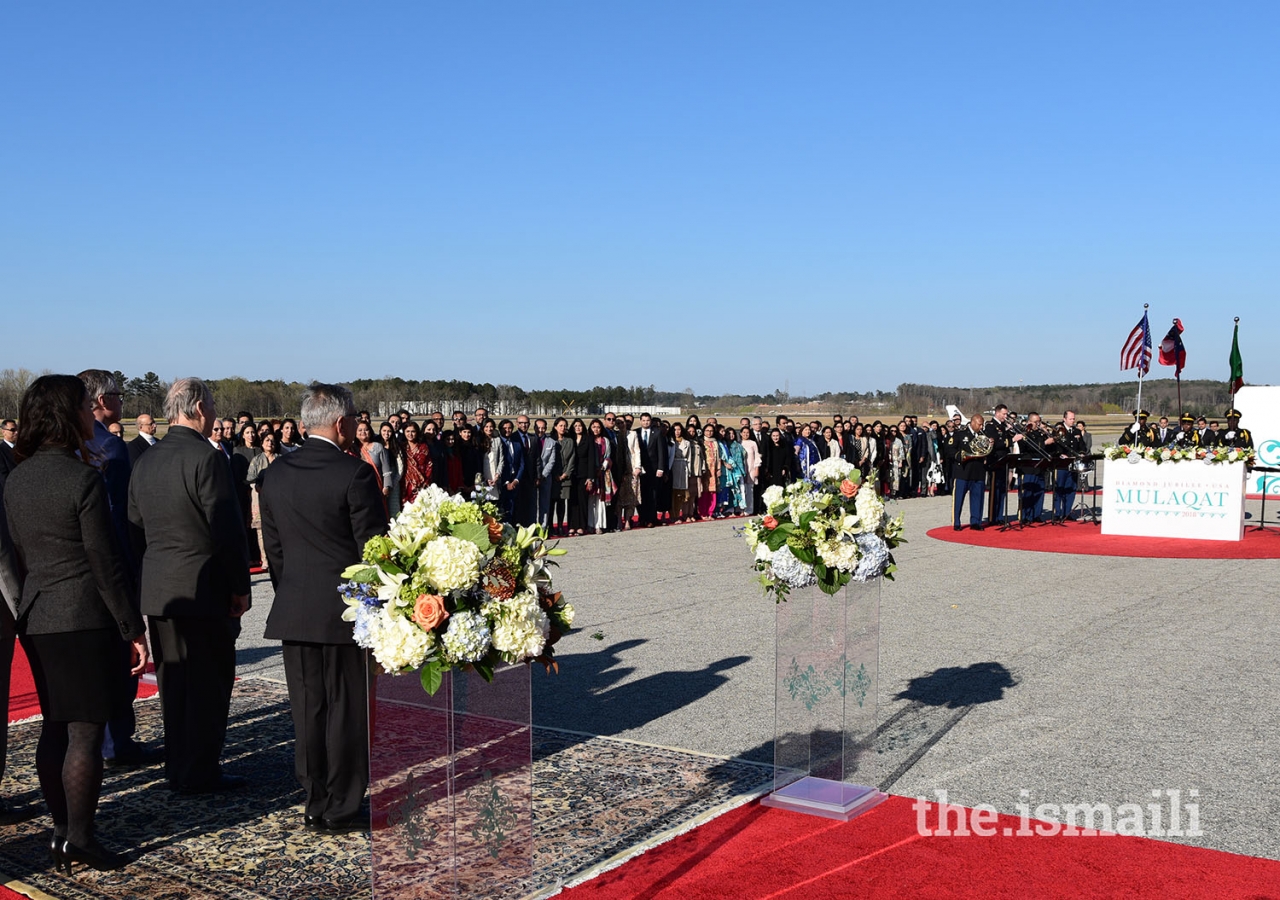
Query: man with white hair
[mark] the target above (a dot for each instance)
(319, 507)
(195, 584)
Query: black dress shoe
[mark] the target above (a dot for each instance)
(135, 758)
(958, 527)
(312, 823)
(976, 527)
(221, 785)
(12, 815)
(358, 822)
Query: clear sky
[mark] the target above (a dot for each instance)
(724, 196)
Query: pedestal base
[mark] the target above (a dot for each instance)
(823, 797)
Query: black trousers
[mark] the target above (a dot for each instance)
(329, 697)
(648, 498)
(196, 668)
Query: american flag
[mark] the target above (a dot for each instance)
(1136, 353)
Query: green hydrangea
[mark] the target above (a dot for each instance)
(378, 549)
(511, 556)
(456, 513)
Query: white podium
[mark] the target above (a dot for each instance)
(1186, 499)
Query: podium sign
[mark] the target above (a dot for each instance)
(1174, 499)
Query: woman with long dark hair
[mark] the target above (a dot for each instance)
(372, 452)
(600, 487)
(75, 609)
(678, 458)
(395, 460)
(710, 455)
(563, 476)
(582, 473)
(241, 459)
(290, 438)
(417, 464)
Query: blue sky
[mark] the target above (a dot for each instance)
(725, 196)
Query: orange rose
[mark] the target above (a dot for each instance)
(429, 611)
(769, 522)
(848, 489)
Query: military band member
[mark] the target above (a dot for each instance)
(1186, 435)
(1070, 445)
(970, 471)
(1233, 435)
(1038, 445)
(1004, 443)
(1139, 434)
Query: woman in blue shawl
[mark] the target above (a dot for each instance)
(807, 455)
(732, 496)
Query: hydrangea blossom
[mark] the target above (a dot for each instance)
(451, 564)
(396, 642)
(467, 638)
(788, 569)
(831, 470)
(875, 557)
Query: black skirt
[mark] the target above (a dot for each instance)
(80, 676)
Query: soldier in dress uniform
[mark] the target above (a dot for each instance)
(1139, 434)
(1233, 435)
(1186, 435)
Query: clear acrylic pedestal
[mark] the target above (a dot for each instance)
(451, 786)
(828, 661)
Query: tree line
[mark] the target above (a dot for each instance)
(277, 398)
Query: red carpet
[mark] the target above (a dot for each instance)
(22, 687)
(1088, 539)
(754, 853)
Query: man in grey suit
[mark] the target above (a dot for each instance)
(195, 584)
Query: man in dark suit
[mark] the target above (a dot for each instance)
(319, 507)
(649, 467)
(145, 440)
(10, 591)
(513, 472)
(8, 434)
(195, 584)
(527, 494)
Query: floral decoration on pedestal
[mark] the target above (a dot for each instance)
(451, 586)
(1158, 455)
(827, 529)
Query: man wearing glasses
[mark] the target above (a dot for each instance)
(8, 435)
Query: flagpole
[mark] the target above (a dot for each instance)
(1139, 409)
(1233, 344)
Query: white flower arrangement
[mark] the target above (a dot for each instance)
(449, 586)
(828, 529)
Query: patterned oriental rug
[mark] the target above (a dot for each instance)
(596, 802)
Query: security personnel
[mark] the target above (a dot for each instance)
(1139, 433)
(1186, 436)
(1233, 435)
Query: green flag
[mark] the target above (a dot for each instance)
(1237, 364)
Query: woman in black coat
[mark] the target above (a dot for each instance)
(74, 611)
(583, 471)
(780, 461)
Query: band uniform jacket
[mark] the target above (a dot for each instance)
(1188, 438)
(76, 580)
(1240, 438)
(187, 528)
(1071, 443)
(1036, 450)
(319, 507)
(1146, 436)
(971, 469)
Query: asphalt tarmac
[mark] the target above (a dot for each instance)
(1077, 679)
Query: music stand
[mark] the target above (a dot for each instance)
(1090, 512)
(1262, 516)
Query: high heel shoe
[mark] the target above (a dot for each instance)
(95, 856)
(55, 850)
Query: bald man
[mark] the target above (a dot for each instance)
(145, 440)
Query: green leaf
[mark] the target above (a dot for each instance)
(806, 518)
(432, 676)
(775, 539)
(361, 573)
(484, 669)
(475, 532)
(806, 555)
